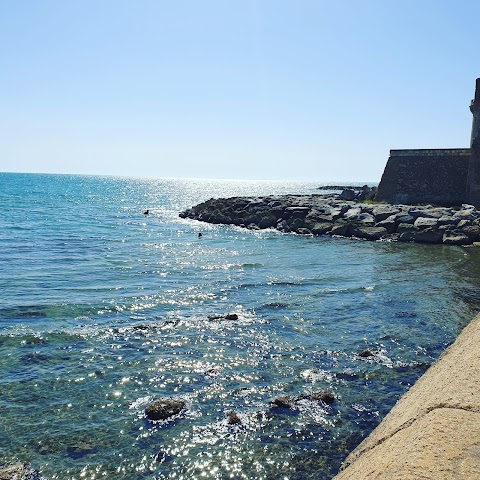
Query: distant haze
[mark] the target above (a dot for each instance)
(295, 90)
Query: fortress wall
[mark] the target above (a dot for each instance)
(437, 176)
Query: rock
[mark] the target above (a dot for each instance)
(284, 401)
(19, 471)
(296, 223)
(472, 232)
(268, 221)
(321, 228)
(369, 233)
(428, 236)
(303, 231)
(164, 408)
(464, 223)
(466, 214)
(404, 218)
(231, 316)
(233, 418)
(455, 237)
(407, 236)
(388, 224)
(383, 212)
(347, 194)
(341, 229)
(80, 449)
(406, 227)
(366, 354)
(352, 213)
(447, 220)
(425, 222)
(325, 396)
(366, 219)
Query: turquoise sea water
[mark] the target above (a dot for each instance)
(103, 310)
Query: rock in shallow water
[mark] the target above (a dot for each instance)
(19, 471)
(164, 408)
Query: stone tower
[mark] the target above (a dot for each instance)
(473, 177)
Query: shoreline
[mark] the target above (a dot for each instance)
(331, 215)
(433, 431)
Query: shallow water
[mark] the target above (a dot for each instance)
(103, 310)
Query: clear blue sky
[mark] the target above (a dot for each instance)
(298, 90)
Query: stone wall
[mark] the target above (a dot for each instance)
(437, 176)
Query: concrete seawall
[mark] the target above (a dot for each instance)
(433, 432)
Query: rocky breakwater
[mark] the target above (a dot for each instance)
(330, 215)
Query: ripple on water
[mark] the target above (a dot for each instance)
(126, 309)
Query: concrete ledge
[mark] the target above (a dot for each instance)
(433, 432)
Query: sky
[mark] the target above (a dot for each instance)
(316, 90)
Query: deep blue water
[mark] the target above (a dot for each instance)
(103, 310)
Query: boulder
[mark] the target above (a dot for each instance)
(347, 194)
(284, 401)
(164, 408)
(425, 222)
(321, 228)
(388, 224)
(447, 220)
(303, 231)
(383, 212)
(456, 237)
(268, 221)
(325, 396)
(233, 418)
(366, 354)
(369, 233)
(406, 227)
(472, 232)
(366, 219)
(295, 223)
(404, 218)
(342, 229)
(352, 213)
(19, 471)
(428, 236)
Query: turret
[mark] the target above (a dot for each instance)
(475, 109)
(473, 176)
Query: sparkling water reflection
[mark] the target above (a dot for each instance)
(103, 310)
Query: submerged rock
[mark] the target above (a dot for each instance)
(80, 449)
(19, 471)
(325, 396)
(164, 408)
(233, 418)
(284, 401)
(366, 354)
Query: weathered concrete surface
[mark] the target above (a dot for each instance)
(433, 432)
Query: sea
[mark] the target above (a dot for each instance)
(103, 310)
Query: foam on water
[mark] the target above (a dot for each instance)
(103, 310)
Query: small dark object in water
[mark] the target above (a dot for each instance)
(146, 212)
(284, 401)
(325, 396)
(231, 316)
(200, 235)
(233, 418)
(366, 354)
(164, 408)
